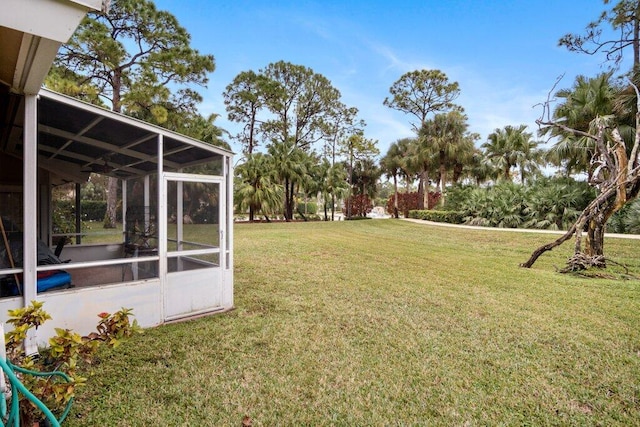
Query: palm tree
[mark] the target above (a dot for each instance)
(391, 165)
(512, 147)
(423, 158)
(464, 160)
(409, 167)
(530, 160)
(311, 181)
(289, 167)
(332, 184)
(445, 134)
(363, 180)
(497, 150)
(482, 168)
(587, 99)
(257, 189)
(365, 177)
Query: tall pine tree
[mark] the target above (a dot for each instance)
(139, 61)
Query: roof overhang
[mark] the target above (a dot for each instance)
(31, 33)
(75, 138)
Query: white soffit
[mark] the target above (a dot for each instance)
(50, 19)
(37, 29)
(34, 60)
(93, 4)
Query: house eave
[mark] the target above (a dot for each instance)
(30, 36)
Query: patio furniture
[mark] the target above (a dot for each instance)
(140, 239)
(11, 254)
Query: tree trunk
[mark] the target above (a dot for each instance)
(288, 215)
(443, 176)
(595, 217)
(549, 246)
(112, 183)
(333, 206)
(112, 202)
(395, 197)
(443, 171)
(423, 190)
(457, 172)
(288, 202)
(252, 124)
(350, 184)
(420, 193)
(594, 242)
(618, 179)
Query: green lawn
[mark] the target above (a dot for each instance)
(387, 322)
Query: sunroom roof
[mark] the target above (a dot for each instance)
(75, 137)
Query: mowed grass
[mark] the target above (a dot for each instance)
(387, 322)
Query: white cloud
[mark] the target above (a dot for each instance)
(393, 59)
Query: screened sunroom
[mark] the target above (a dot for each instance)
(170, 254)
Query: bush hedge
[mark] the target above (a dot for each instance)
(409, 201)
(92, 210)
(451, 217)
(312, 208)
(546, 203)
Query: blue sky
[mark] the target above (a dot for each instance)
(504, 54)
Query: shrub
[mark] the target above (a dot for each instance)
(548, 203)
(457, 195)
(434, 199)
(360, 205)
(450, 217)
(93, 210)
(632, 219)
(311, 208)
(64, 214)
(410, 201)
(406, 202)
(555, 203)
(626, 220)
(66, 350)
(499, 206)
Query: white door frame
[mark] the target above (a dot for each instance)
(163, 252)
